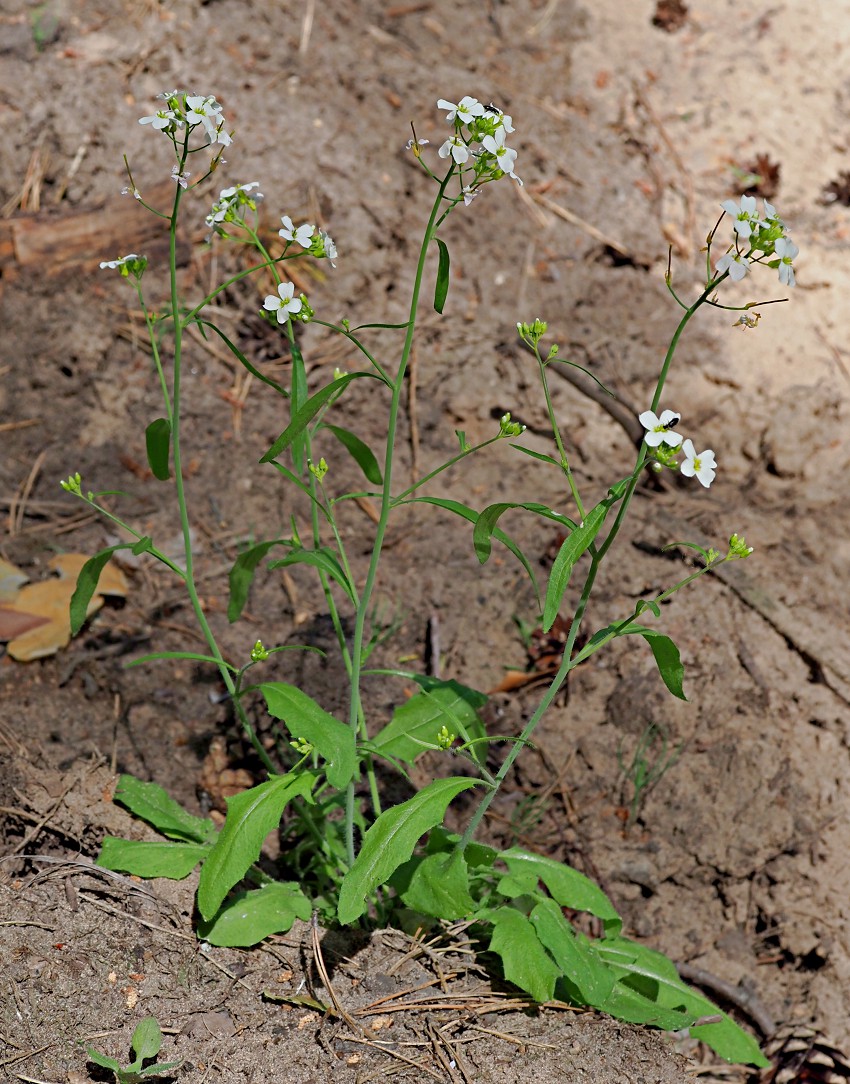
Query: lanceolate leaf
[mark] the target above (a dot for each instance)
(441, 290)
(469, 514)
(566, 885)
(485, 525)
(250, 817)
(325, 560)
(302, 417)
(360, 452)
(250, 916)
(242, 575)
(417, 722)
(666, 653)
(390, 841)
(649, 990)
(573, 547)
(143, 859)
(304, 718)
(87, 580)
(151, 803)
(158, 444)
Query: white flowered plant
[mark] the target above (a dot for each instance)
(341, 820)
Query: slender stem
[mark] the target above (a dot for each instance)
(355, 710)
(445, 466)
(565, 463)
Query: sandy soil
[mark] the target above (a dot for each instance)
(629, 137)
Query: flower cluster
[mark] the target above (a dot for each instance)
(662, 437)
(478, 145)
(189, 111)
(765, 236)
(229, 207)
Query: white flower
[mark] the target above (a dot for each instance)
(506, 121)
(456, 148)
(126, 191)
(329, 246)
(181, 178)
(661, 430)
(745, 215)
(466, 109)
(411, 143)
(469, 194)
(162, 118)
(786, 250)
(735, 263)
(299, 234)
(702, 465)
(505, 156)
(113, 264)
(206, 111)
(285, 303)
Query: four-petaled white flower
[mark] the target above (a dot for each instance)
(505, 156)
(698, 465)
(206, 111)
(465, 110)
(285, 303)
(786, 250)
(469, 194)
(456, 148)
(181, 178)
(162, 118)
(735, 263)
(661, 430)
(113, 264)
(299, 234)
(746, 217)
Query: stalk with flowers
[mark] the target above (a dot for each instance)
(346, 852)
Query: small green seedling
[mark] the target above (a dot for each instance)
(145, 1044)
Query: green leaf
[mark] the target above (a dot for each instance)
(569, 553)
(485, 524)
(252, 369)
(301, 418)
(87, 581)
(103, 1061)
(147, 1039)
(242, 575)
(418, 720)
(649, 991)
(573, 953)
(537, 455)
(326, 561)
(250, 916)
(469, 514)
(525, 961)
(667, 658)
(143, 859)
(304, 718)
(441, 841)
(439, 886)
(361, 453)
(390, 842)
(251, 815)
(441, 290)
(179, 655)
(566, 885)
(151, 803)
(158, 444)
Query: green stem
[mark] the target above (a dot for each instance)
(355, 710)
(565, 463)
